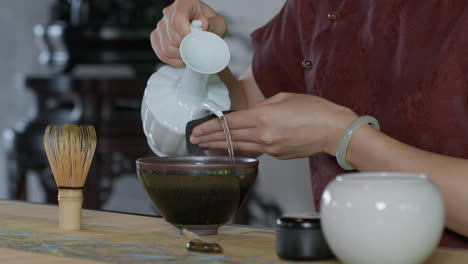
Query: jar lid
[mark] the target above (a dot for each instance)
(299, 221)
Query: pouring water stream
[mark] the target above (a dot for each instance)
(213, 107)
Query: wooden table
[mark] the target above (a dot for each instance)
(29, 234)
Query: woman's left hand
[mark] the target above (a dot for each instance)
(284, 126)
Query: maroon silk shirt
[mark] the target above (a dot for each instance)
(403, 62)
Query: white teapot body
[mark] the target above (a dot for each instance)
(175, 96)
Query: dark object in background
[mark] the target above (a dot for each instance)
(193, 149)
(301, 238)
(99, 32)
(111, 105)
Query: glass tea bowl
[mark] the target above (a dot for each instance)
(198, 193)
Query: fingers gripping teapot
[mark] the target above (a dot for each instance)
(175, 96)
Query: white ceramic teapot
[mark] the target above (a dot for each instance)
(175, 96)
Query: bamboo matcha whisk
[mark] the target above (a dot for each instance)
(70, 149)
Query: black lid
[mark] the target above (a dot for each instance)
(299, 221)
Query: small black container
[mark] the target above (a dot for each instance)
(300, 238)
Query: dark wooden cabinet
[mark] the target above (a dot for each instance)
(112, 106)
(80, 34)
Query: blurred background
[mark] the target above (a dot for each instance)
(87, 61)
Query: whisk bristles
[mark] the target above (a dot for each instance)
(70, 149)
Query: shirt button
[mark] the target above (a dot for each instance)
(306, 64)
(333, 16)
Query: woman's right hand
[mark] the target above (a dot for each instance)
(285, 126)
(175, 25)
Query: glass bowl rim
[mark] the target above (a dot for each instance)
(161, 162)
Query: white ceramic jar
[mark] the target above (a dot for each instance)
(382, 217)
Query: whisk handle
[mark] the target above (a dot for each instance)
(70, 204)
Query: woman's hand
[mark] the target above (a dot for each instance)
(175, 25)
(285, 126)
